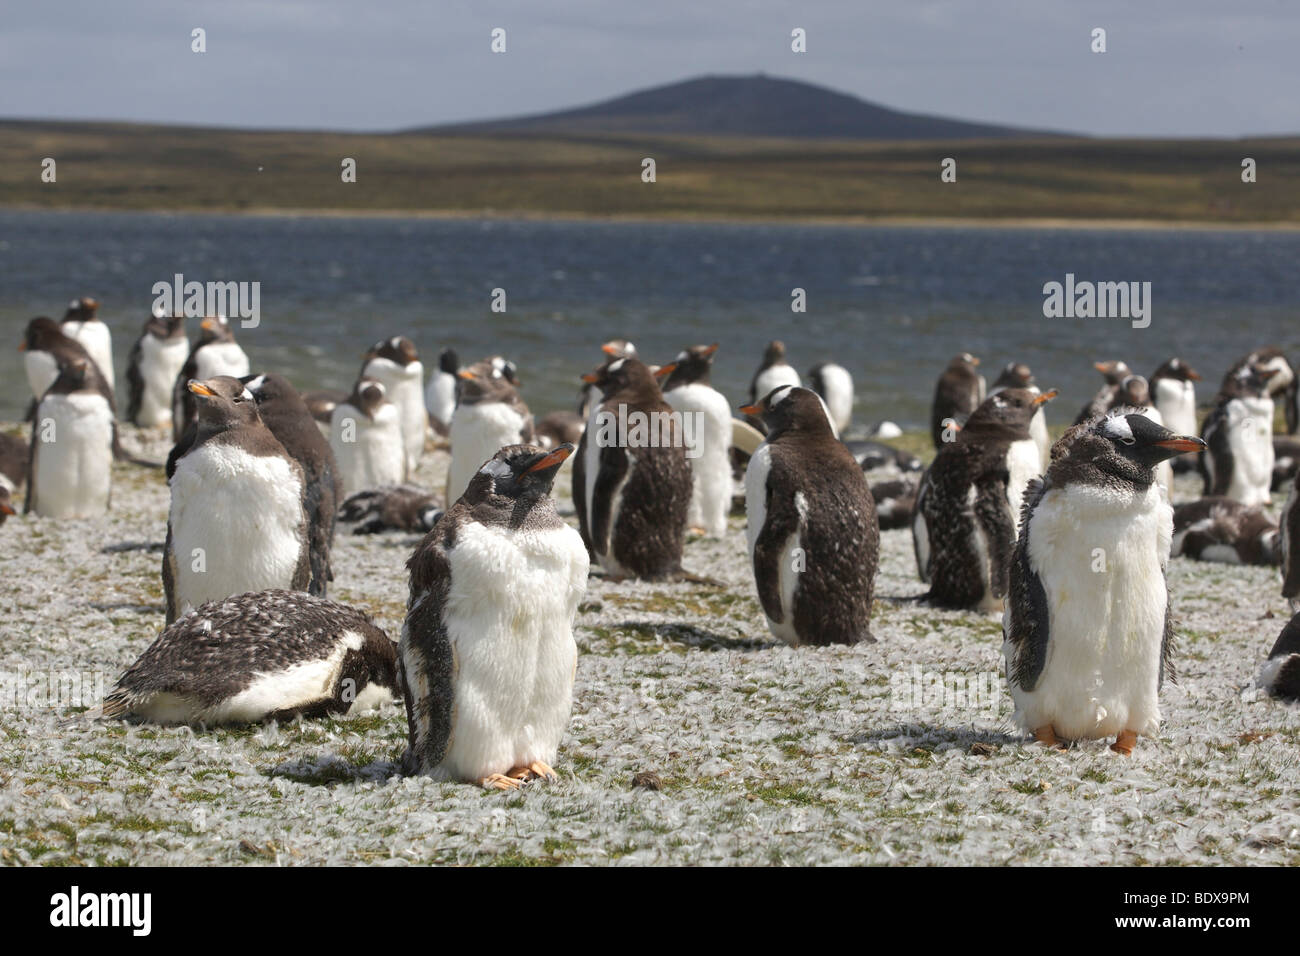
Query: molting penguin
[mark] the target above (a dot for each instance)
(392, 508)
(1226, 531)
(487, 655)
(834, 385)
(266, 655)
(1238, 433)
(1107, 397)
(1173, 390)
(366, 438)
(1280, 675)
(1087, 632)
(74, 435)
(964, 527)
(636, 480)
(440, 394)
(686, 387)
(81, 323)
(814, 542)
(1019, 375)
(215, 353)
(1282, 382)
(395, 364)
(46, 350)
(236, 522)
(957, 394)
(489, 416)
(157, 357)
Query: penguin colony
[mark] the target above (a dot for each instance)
(1068, 542)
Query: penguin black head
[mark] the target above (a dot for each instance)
(1135, 391)
(215, 328)
(508, 369)
(790, 408)
(484, 381)
(521, 474)
(1128, 445)
(41, 335)
(368, 396)
(1115, 371)
(397, 349)
(1249, 381)
(624, 374)
(163, 326)
(81, 310)
(224, 402)
(1004, 413)
(449, 362)
(1015, 375)
(1177, 368)
(271, 388)
(691, 365)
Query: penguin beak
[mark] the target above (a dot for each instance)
(1194, 376)
(465, 374)
(663, 370)
(752, 409)
(207, 325)
(1181, 444)
(974, 360)
(1045, 397)
(591, 378)
(553, 460)
(710, 350)
(198, 388)
(22, 346)
(609, 350)
(7, 509)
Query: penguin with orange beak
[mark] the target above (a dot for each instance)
(215, 353)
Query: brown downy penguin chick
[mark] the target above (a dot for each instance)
(366, 438)
(814, 541)
(392, 508)
(895, 502)
(1107, 396)
(558, 428)
(46, 349)
(489, 416)
(968, 504)
(1237, 459)
(957, 394)
(215, 353)
(588, 406)
(74, 437)
(1226, 531)
(236, 522)
(156, 359)
(1283, 384)
(81, 322)
(636, 480)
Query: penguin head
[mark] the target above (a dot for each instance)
(618, 348)
(692, 364)
(484, 381)
(789, 407)
(774, 354)
(81, 310)
(624, 373)
(1252, 380)
(517, 473)
(1015, 375)
(215, 328)
(1115, 371)
(449, 362)
(1007, 411)
(509, 371)
(1177, 368)
(164, 326)
(1130, 445)
(269, 387)
(965, 359)
(397, 349)
(41, 335)
(224, 402)
(75, 375)
(368, 396)
(1135, 391)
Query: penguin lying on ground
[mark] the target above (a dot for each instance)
(236, 522)
(1087, 633)
(834, 385)
(686, 387)
(395, 363)
(957, 394)
(156, 359)
(1019, 375)
(1282, 382)
(964, 527)
(366, 438)
(1173, 390)
(1280, 675)
(487, 655)
(814, 542)
(1237, 460)
(1226, 531)
(392, 508)
(1107, 397)
(440, 393)
(877, 457)
(895, 502)
(74, 435)
(81, 323)
(489, 415)
(559, 428)
(215, 353)
(266, 655)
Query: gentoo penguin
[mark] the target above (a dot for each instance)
(964, 527)
(156, 359)
(1019, 375)
(489, 416)
(440, 393)
(392, 508)
(366, 438)
(1238, 433)
(396, 365)
(588, 397)
(772, 373)
(636, 480)
(588, 406)
(215, 353)
(1226, 531)
(1289, 529)
(834, 385)
(487, 656)
(1114, 371)
(73, 439)
(80, 322)
(13, 461)
(287, 416)
(895, 502)
(811, 526)
(1280, 675)
(264, 655)
(957, 394)
(1087, 632)
(874, 456)
(1282, 383)
(1134, 392)
(236, 522)
(46, 349)
(687, 388)
(1173, 390)
(6, 504)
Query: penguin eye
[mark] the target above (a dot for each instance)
(1128, 441)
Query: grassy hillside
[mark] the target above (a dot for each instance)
(124, 166)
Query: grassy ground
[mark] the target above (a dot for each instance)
(764, 754)
(124, 166)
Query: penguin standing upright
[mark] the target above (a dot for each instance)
(489, 416)
(1283, 385)
(1114, 371)
(774, 372)
(156, 359)
(964, 525)
(487, 657)
(834, 385)
(1087, 631)
(686, 387)
(1019, 375)
(589, 395)
(82, 323)
(637, 484)
(957, 394)
(1237, 460)
(440, 394)
(588, 407)
(1173, 390)
(46, 350)
(215, 353)
(366, 438)
(395, 363)
(814, 540)
(70, 470)
(236, 522)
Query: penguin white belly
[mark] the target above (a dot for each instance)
(1176, 402)
(440, 397)
(509, 617)
(1042, 439)
(477, 433)
(1250, 437)
(1165, 470)
(760, 465)
(97, 340)
(220, 358)
(775, 377)
(711, 468)
(73, 472)
(1024, 463)
(404, 385)
(988, 603)
(41, 369)
(160, 363)
(374, 456)
(1102, 670)
(838, 384)
(236, 521)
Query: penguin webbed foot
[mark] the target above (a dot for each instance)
(1125, 742)
(537, 770)
(499, 781)
(1047, 737)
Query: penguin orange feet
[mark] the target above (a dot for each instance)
(1125, 743)
(1047, 737)
(534, 771)
(499, 781)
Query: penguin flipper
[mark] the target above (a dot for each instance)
(1168, 644)
(580, 490)
(169, 575)
(135, 383)
(780, 522)
(994, 516)
(426, 660)
(1290, 407)
(613, 470)
(1025, 624)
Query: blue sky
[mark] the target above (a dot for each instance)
(1172, 68)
